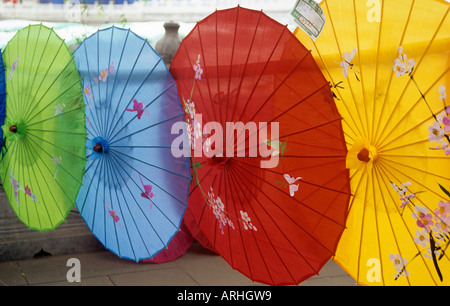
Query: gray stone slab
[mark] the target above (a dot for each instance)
(161, 277)
(11, 274)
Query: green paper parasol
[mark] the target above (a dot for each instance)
(44, 131)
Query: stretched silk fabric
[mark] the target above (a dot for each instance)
(274, 206)
(44, 132)
(135, 190)
(388, 65)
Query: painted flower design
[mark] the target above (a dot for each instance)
(59, 109)
(346, 63)
(57, 161)
(399, 264)
(147, 194)
(422, 238)
(423, 217)
(403, 65)
(404, 193)
(442, 92)
(138, 107)
(218, 209)
(198, 70)
(87, 92)
(13, 68)
(436, 133)
(103, 77)
(246, 221)
(112, 213)
(16, 187)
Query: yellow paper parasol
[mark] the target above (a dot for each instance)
(388, 65)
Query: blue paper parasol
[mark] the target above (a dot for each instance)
(134, 191)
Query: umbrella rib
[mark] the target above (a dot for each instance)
(81, 107)
(39, 187)
(27, 151)
(28, 93)
(279, 229)
(240, 232)
(283, 81)
(231, 62)
(306, 182)
(21, 160)
(287, 112)
(263, 229)
(126, 84)
(116, 173)
(360, 68)
(153, 183)
(107, 84)
(261, 73)
(417, 169)
(176, 226)
(38, 65)
(20, 99)
(68, 88)
(146, 128)
(246, 64)
(381, 172)
(149, 164)
(115, 75)
(192, 189)
(299, 202)
(382, 142)
(279, 86)
(375, 92)
(91, 181)
(382, 166)
(362, 228)
(226, 208)
(356, 126)
(205, 71)
(99, 112)
(363, 132)
(206, 201)
(216, 221)
(27, 109)
(416, 65)
(217, 66)
(110, 178)
(97, 120)
(62, 168)
(95, 215)
(135, 116)
(58, 147)
(12, 98)
(288, 216)
(111, 136)
(6, 172)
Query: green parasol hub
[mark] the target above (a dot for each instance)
(13, 129)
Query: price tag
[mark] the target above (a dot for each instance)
(309, 16)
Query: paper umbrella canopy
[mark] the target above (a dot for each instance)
(271, 193)
(44, 134)
(134, 190)
(388, 66)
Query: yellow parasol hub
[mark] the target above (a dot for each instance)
(361, 156)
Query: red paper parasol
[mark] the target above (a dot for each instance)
(271, 190)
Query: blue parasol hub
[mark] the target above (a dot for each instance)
(98, 146)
